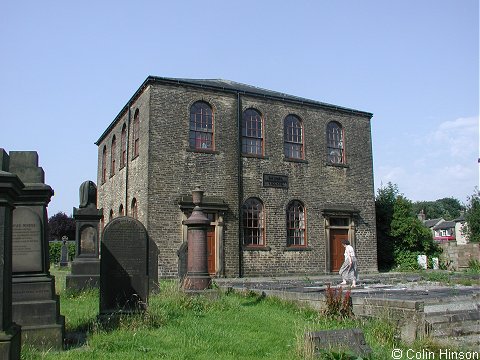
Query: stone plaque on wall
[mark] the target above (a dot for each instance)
(26, 241)
(88, 240)
(124, 266)
(275, 181)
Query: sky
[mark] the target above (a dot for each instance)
(68, 67)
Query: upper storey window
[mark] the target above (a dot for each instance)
(201, 126)
(123, 147)
(136, 134)
(293, 137)
(252, 132)
(104, 164)
(335, 143)
(113, 154)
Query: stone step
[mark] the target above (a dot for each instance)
(449, 318)
(466, 328)
(450, 307)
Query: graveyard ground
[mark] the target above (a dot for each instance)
(237, 325)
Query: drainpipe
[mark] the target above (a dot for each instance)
(127, 156)
(240, 186)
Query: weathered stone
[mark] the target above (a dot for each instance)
(86, 265)
(344, 340)
(10, 333)
(31, 276)
(124, 283)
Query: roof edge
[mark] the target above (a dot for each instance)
(192, 83)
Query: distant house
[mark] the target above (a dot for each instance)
(443, 230)
(459, 232)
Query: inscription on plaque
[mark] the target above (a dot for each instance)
(124, 266)
(275, 181)
(26, 241)
(88, 241)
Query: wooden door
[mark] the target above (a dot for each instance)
(336, 248)
(211, 250)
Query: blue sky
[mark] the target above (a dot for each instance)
(67, 68)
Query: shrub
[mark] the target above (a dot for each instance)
(55, 251)
(337, 304)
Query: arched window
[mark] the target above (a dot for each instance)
(123, 147)
(293, 137)
(136, 133)
(104, 164)
(113, 154)
(253, 223)
(252, 132)
(120, 210)
(335, 143)
(134, 208)
(201, 126)
(296, 224)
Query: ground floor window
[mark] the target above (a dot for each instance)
(296, 224)
(253, 223)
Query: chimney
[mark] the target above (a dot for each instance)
(421, 216)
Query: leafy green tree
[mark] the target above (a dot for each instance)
(60, 225)
(472, 217)
(411, 238)
(448, 208)
(384, 203)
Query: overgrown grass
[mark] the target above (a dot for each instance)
(219, 325)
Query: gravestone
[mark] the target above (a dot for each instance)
(124, 265)
(10, 333)
(64, 252)
(36, 306)
(422, 261)
(86, 265)
(344, 340)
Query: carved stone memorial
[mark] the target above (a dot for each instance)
(10, 188)
(36, 307)
(86, 265)
(124, 264)
(344, 341)
(64, 253)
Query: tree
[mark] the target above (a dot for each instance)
(411, 237)
(472, 217)
(384, 203)
(448, 208)
(60, 225)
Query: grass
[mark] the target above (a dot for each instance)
(220, 326)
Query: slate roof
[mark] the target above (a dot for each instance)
(431, 222)
(444, 225)
(231, 87)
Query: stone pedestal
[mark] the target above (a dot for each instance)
(197, 277)
(36, 307)
(10, 334)
(86, 265)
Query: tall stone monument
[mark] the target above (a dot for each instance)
(86, 265)
(10, 188)
(36, 306)
(197, 277)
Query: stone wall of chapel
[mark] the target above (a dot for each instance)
(175, 170)
(167, 169)
(112, 194)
